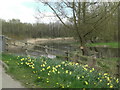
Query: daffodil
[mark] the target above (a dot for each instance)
(82, 76)
(43, 65)
(76, 64)
(70, 63)
(53, 70)
(117, 80)
(105, 74)
(22, 59)
(70, 72)
(85, 69)
(33, 67)
(93, 69)
(48, 73)
(33, 71)
(43, 69)
(86, 65)
(58, 72)
(62, 85)
(48, 67)
(47, 78)
(111, 86)
(108, 78)
(47, 81)
(63, 62)
(21, 62)
(45, 62)
(59, 65)
(108, 83)
(66, 71)
(86, 82)
(68, 86)
(99, 73)
(56, 66)
(90, 70)
(78, 77)
(83, 88)
(38, 77)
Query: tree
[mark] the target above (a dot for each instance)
(85, 17)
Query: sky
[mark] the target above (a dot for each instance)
(26, 11)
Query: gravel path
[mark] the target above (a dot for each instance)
(6, 81)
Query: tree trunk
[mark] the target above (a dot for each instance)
(83, 48)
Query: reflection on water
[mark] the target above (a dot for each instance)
(61, 47)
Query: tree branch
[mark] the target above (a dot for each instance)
(101, 21)
(57, 15)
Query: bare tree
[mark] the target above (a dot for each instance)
(85, 17)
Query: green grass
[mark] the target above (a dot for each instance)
(110, 44)
(43, 72)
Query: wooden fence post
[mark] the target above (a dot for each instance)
(3, 43)
(46, 49)
(67, 55)
(0, 44)
(118, 66)
(94, 62)
(26, 49)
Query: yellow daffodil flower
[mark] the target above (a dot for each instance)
(38, 77)
(117, 80)
(78, 77)
(108, 83)
(90, 70)
(70, 72)
(43, 65)
(82, 76)
(48, 67)
(47, 81)
(43, 69)
(66, 71)
(86, 82)
(33, 67)
(105, 74)
(111, 86)
(48, 73)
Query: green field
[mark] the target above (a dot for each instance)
(110, 44)
(43, 72)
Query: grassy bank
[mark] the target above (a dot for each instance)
(43, 72)
(110, 44)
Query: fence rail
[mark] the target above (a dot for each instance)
(6, 42)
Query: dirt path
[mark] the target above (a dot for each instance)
(6, 81)
(44, 40)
